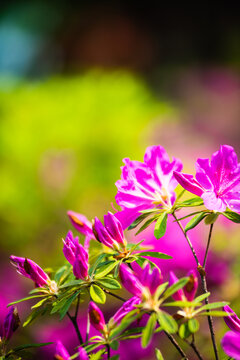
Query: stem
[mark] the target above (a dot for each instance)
(75, 324)
(202, 273)
(108, 351)
(188, 240)
(174, 342)
(114, 295)
(208, 244)
(194, 347)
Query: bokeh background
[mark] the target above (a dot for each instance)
(85, 84)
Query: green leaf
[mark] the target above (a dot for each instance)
(28, 346)
(146, 224)
(161, 288)
(158, 354)
(105, 269)
(97, 294)
(195, 201)
(195, 221)
(38, 304)
(71, 283)
(25, 299)
(193, 325)
(213, 313)
(126, 321)
(155, 254)
(213, 305)
(67, 305)
(59, 275)
(114, 344)
(182, 304)
(167, 322)
(201, 297)
(148, 330)
(33, 316)
(175, 287)
(231, 215)
(184, 331)
(161, 225)
(98, 355)
(211, 218)
(110, 283)
(138, 220)
(114, 357)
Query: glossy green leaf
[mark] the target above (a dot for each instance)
(182, 304)
(213, 305)
(201, 297)
(110, 283)
(126, 321)
(25, 299)
(155, 254)
(97, 294)
(114, 344)
(67, 305)
(146, 224)
(211, 218)
(148, 330)
(193, 325)
(161, 225)
(195, 221)
(231, 215)
(213, 313)
(38, 304)
(138, 221)
(105, 269)
(175, 287)
(167, 322)
(184, 331)
(195, 201)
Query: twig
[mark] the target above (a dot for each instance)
(177, 346)
(114, 295)
(208, 244)
(75, 324)
(194, 347)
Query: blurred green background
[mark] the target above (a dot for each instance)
(85, 84)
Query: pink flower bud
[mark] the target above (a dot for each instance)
(96, 317)
(178, 295)
(80, 265)
(61, 352)
(81, 223)
(11, 323)
(232, 321)
(130, 281)
(69, 247)
(190, 288)
(30, 269)
(127, 306)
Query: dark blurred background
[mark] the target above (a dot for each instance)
(84, 84)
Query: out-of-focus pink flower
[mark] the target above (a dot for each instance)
(231, 340)
(188, 292)
(80, 265)
(61, 353)
(217, 181)
(10, 324)
(96, 317)
(127, 306)
(142, 283)
(146, 185)
(30, 269)
(82, 354)
(81, 223)
(111, 233)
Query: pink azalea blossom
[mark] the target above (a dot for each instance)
(146, 185)
(30, 269)
(188, 292)
(96, 317)
(231, 340)
(127, 306)
(10, 324)
(217, 181)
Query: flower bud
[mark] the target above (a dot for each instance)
(232, 321)
(11, 323)
(69, 247)
(130, 281)
(61, 352)
(30, 269)
(82, 354)
(150, 278)
(178, 295)
(127, 306)
(81, 223)
(191, 286)
(96, 317)
(80, 265)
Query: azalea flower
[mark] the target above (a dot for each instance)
(61, 353)
(96, 317)
(146, 185)
(188, 292)
(217, 181)
(231, 340)
(10, 324)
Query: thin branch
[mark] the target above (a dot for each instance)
(75, 324)
(194, 347)
(114, 295)
(177, 346)
(208, 244)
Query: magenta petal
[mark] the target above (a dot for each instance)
(61, 351)
(81, 223)
(130, 281)
(232, 321)
(127, 306)
(80, 265)
(231, 344)
(114, 227)
(190, 288)
(96, 317)
(189, 183)
(178, 295)
(11, 323)
(82, 354)
(212, 202)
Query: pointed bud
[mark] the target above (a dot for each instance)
(190, 288)
(82, 354)
(96, 317)
(69, 247)
(81, 223)
(127, 306)
(11, 323)
(130, 281)
(232, 321)
(178, 295)
(80, 265)
(61, 352)
(150, 278)
(31, 270)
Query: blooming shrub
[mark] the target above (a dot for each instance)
(147, 196)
